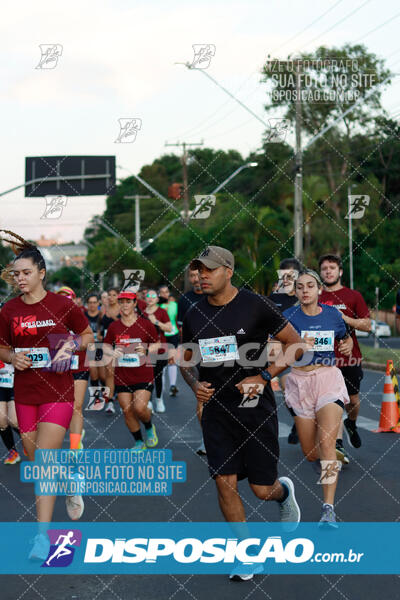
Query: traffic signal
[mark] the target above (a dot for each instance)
(175, 191)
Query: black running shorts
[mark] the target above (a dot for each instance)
(6, 394)
(242, 444)
(352, 378)
(119, 389)
(81, 375)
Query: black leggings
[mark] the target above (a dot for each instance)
(158, 371)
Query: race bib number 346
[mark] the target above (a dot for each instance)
(219, 349)
(323, 340)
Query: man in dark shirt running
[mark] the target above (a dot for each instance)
(228, 332)
(189, 299)
(356, 315)
(285, 297)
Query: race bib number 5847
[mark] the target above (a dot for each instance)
(219, 349)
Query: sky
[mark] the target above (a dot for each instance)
(119, 61)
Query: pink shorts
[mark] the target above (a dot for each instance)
(308, 391)
(29, 415)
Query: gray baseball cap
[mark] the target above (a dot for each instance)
(213, 257)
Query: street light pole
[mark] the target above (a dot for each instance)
(137, 198)
(350, 237)
(298, 184)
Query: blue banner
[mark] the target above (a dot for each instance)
(199, 548)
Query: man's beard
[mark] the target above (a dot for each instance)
(326, 284)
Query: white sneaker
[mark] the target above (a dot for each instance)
(110, 408)
(41, 547)
(74, 504)
(75, 507)
(160, 406)
(150, 406)
(245, 572)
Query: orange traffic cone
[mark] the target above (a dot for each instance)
(389, 409)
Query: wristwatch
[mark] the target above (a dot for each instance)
(266, 375)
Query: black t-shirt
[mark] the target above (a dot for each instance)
(250, 319)
(283, 301)
(94, 322)
(105, 324)
(185, 302)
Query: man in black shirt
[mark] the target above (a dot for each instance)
(186, 301)
(229, 332)
(284, 298)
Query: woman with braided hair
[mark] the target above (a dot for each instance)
(35, 338)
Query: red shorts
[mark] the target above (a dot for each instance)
(29, 415)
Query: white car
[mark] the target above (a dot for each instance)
(380, 328)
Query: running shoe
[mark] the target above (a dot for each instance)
(201, 450)
(244, 572)
(328, 517)
(80, 447)
(150, 406)
(352, 433)
(341, 454)
(74, 503)
(110, 408)
(41, 547)
(173, 390)
(160, 406)
(151, 437)
(12, 457)
(293, 438)
(289, 509)
(139, 446)
(75, 507)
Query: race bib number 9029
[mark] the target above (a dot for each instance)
(40, 357)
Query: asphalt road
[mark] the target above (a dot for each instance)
(369, 490)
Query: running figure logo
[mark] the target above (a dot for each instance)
(54, 207)
(50, 53)
(251, 396)
(62, 547)
(329, 471)
(96, 397)
(278, 129)
(132, 279)
(203, 208)
(128, 129)
(358, 204)
(203, 54)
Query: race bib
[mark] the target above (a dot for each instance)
(40, 357)
(324, 341)
(74, 362)
(6, 379)
(219, 349)
(129, 360)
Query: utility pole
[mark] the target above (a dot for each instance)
(184, 158)
(350, 238)
(137, 198)
(298, 185)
